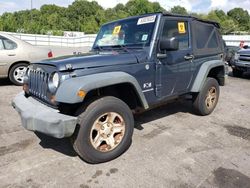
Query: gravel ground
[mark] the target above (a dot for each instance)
(171, 147)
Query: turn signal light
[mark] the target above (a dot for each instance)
(81, 93)
(26, 88)
(53, 99)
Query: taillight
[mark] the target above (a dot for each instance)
(50, 54)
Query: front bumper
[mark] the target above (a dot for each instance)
(38, 117)
(243, 63)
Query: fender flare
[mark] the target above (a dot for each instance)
(67, 91)
(203, 73)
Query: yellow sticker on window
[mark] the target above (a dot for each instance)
(181, 27)
(117, 30)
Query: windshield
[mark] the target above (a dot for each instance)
(135, 32)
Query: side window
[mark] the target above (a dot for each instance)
(1, 44)
(205, 36)
(8, 44)
(213, 42)
(179, 30)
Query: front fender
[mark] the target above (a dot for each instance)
(67, 92)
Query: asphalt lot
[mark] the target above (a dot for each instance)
(171, 147)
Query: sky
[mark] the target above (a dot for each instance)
(198, 6)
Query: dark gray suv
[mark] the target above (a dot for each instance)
(241, 63)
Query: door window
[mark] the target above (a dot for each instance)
(179, 30)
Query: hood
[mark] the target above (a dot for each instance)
(244, 55)
(244, 52)
(94, 60)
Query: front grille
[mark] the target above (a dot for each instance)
(244, 57)
(38, 85)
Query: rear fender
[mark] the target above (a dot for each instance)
(203, 74)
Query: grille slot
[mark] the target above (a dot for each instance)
(244, 57)
(38, 84)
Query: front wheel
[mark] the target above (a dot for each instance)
(206, 100)
(106, 128)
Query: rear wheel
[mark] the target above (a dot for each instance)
(106, 128)
(237, 73)
(17, 72)
(206, 101)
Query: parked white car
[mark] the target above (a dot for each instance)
(16, 55)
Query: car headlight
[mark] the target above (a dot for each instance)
(54, 82)
(55, 79)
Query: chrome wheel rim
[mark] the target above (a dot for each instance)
(211, 98)
(19, 73)
(107, 132)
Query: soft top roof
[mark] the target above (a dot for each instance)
(216, 24)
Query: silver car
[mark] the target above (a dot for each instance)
(16, 55)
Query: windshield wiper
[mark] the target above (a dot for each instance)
(122, 47)
(99, 48)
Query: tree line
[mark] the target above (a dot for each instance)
(85, 16)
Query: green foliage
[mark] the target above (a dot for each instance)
(179, 10)
(1, 23)
(241, 17)
(88, 16)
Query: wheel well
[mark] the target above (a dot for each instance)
(18, 62)
(125, 92)
(219, 74)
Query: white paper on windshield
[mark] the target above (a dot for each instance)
(146, 20)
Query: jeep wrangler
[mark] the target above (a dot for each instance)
(135, 64)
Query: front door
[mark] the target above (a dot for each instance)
(176, 67)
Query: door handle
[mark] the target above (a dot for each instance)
(189, 57)
(11, 54)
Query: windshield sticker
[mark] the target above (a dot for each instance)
(146, 20)
(117, 30)
(144, 37)
(181, 27)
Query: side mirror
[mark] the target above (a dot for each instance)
(171, 44)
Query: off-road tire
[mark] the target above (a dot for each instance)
(12, 73)
(201, 100)
(83, 144)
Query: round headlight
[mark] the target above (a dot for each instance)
(55, 79)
